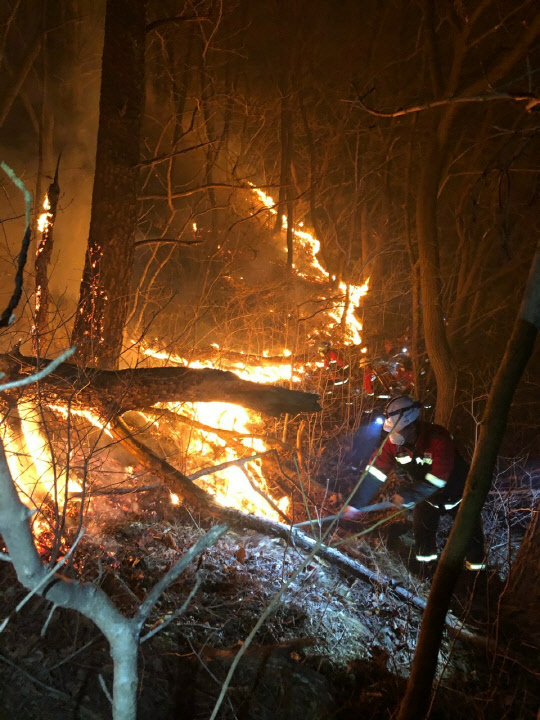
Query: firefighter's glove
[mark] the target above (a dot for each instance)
(351, 513)
(402, 502)
(400, 473)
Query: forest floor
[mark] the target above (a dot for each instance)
(332, 645)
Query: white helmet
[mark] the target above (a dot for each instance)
(400, 412)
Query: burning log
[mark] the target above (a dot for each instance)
(218, 355)
(117, 391)
(44, 253)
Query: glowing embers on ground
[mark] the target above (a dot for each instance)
(204, 449)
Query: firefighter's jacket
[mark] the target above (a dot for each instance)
(431, 468)
(336, 367)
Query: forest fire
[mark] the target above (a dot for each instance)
(220, 437)
(343, 313)
(239, 486)
(210, 520)
(30, 460)
(224, 434)
(242, 485)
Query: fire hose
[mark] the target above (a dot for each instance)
(366, 509)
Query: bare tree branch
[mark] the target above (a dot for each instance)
(193, 191)
(41, 373)
(162, 158)
(532, 103)
(177, 20)
(7, 316)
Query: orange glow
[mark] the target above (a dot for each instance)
(91, 417)
(198, 448)
(205, 449)
(307, 265)
(44, 220)
(30, 462)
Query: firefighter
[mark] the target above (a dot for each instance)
(431, 476)
(337, 368)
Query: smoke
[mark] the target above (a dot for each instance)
(65, 82)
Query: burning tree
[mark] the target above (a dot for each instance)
(104, 298)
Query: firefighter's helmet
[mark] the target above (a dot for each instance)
(324, 347)
(400, 412)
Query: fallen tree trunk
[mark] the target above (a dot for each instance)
(116, 391)
(184, 486)
(219, 356)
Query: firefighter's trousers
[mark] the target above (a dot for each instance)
(426, 519)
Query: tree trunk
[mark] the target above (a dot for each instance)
(43, 259)
(518, 351)
(437, 345)
(521, 599)
(116, 391)
(105, 286)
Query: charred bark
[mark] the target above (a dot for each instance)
(43, 258)
(521, 599)
(113, 392)
(105, 286)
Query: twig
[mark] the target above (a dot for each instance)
(7, 316)
(230, 463)
(175, 614)
(74, 654)
(211, 537)
(178, 19)
(48, 620)
(531, 100)
(258, 490)
(43, 581)
(105, 688)
(168, 156)
(170, 416)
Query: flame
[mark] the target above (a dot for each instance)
(45, 219)
(30, 461)
(267, 374)
(205, 448)
(230, 486)
(308, 266)
(90, 416)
